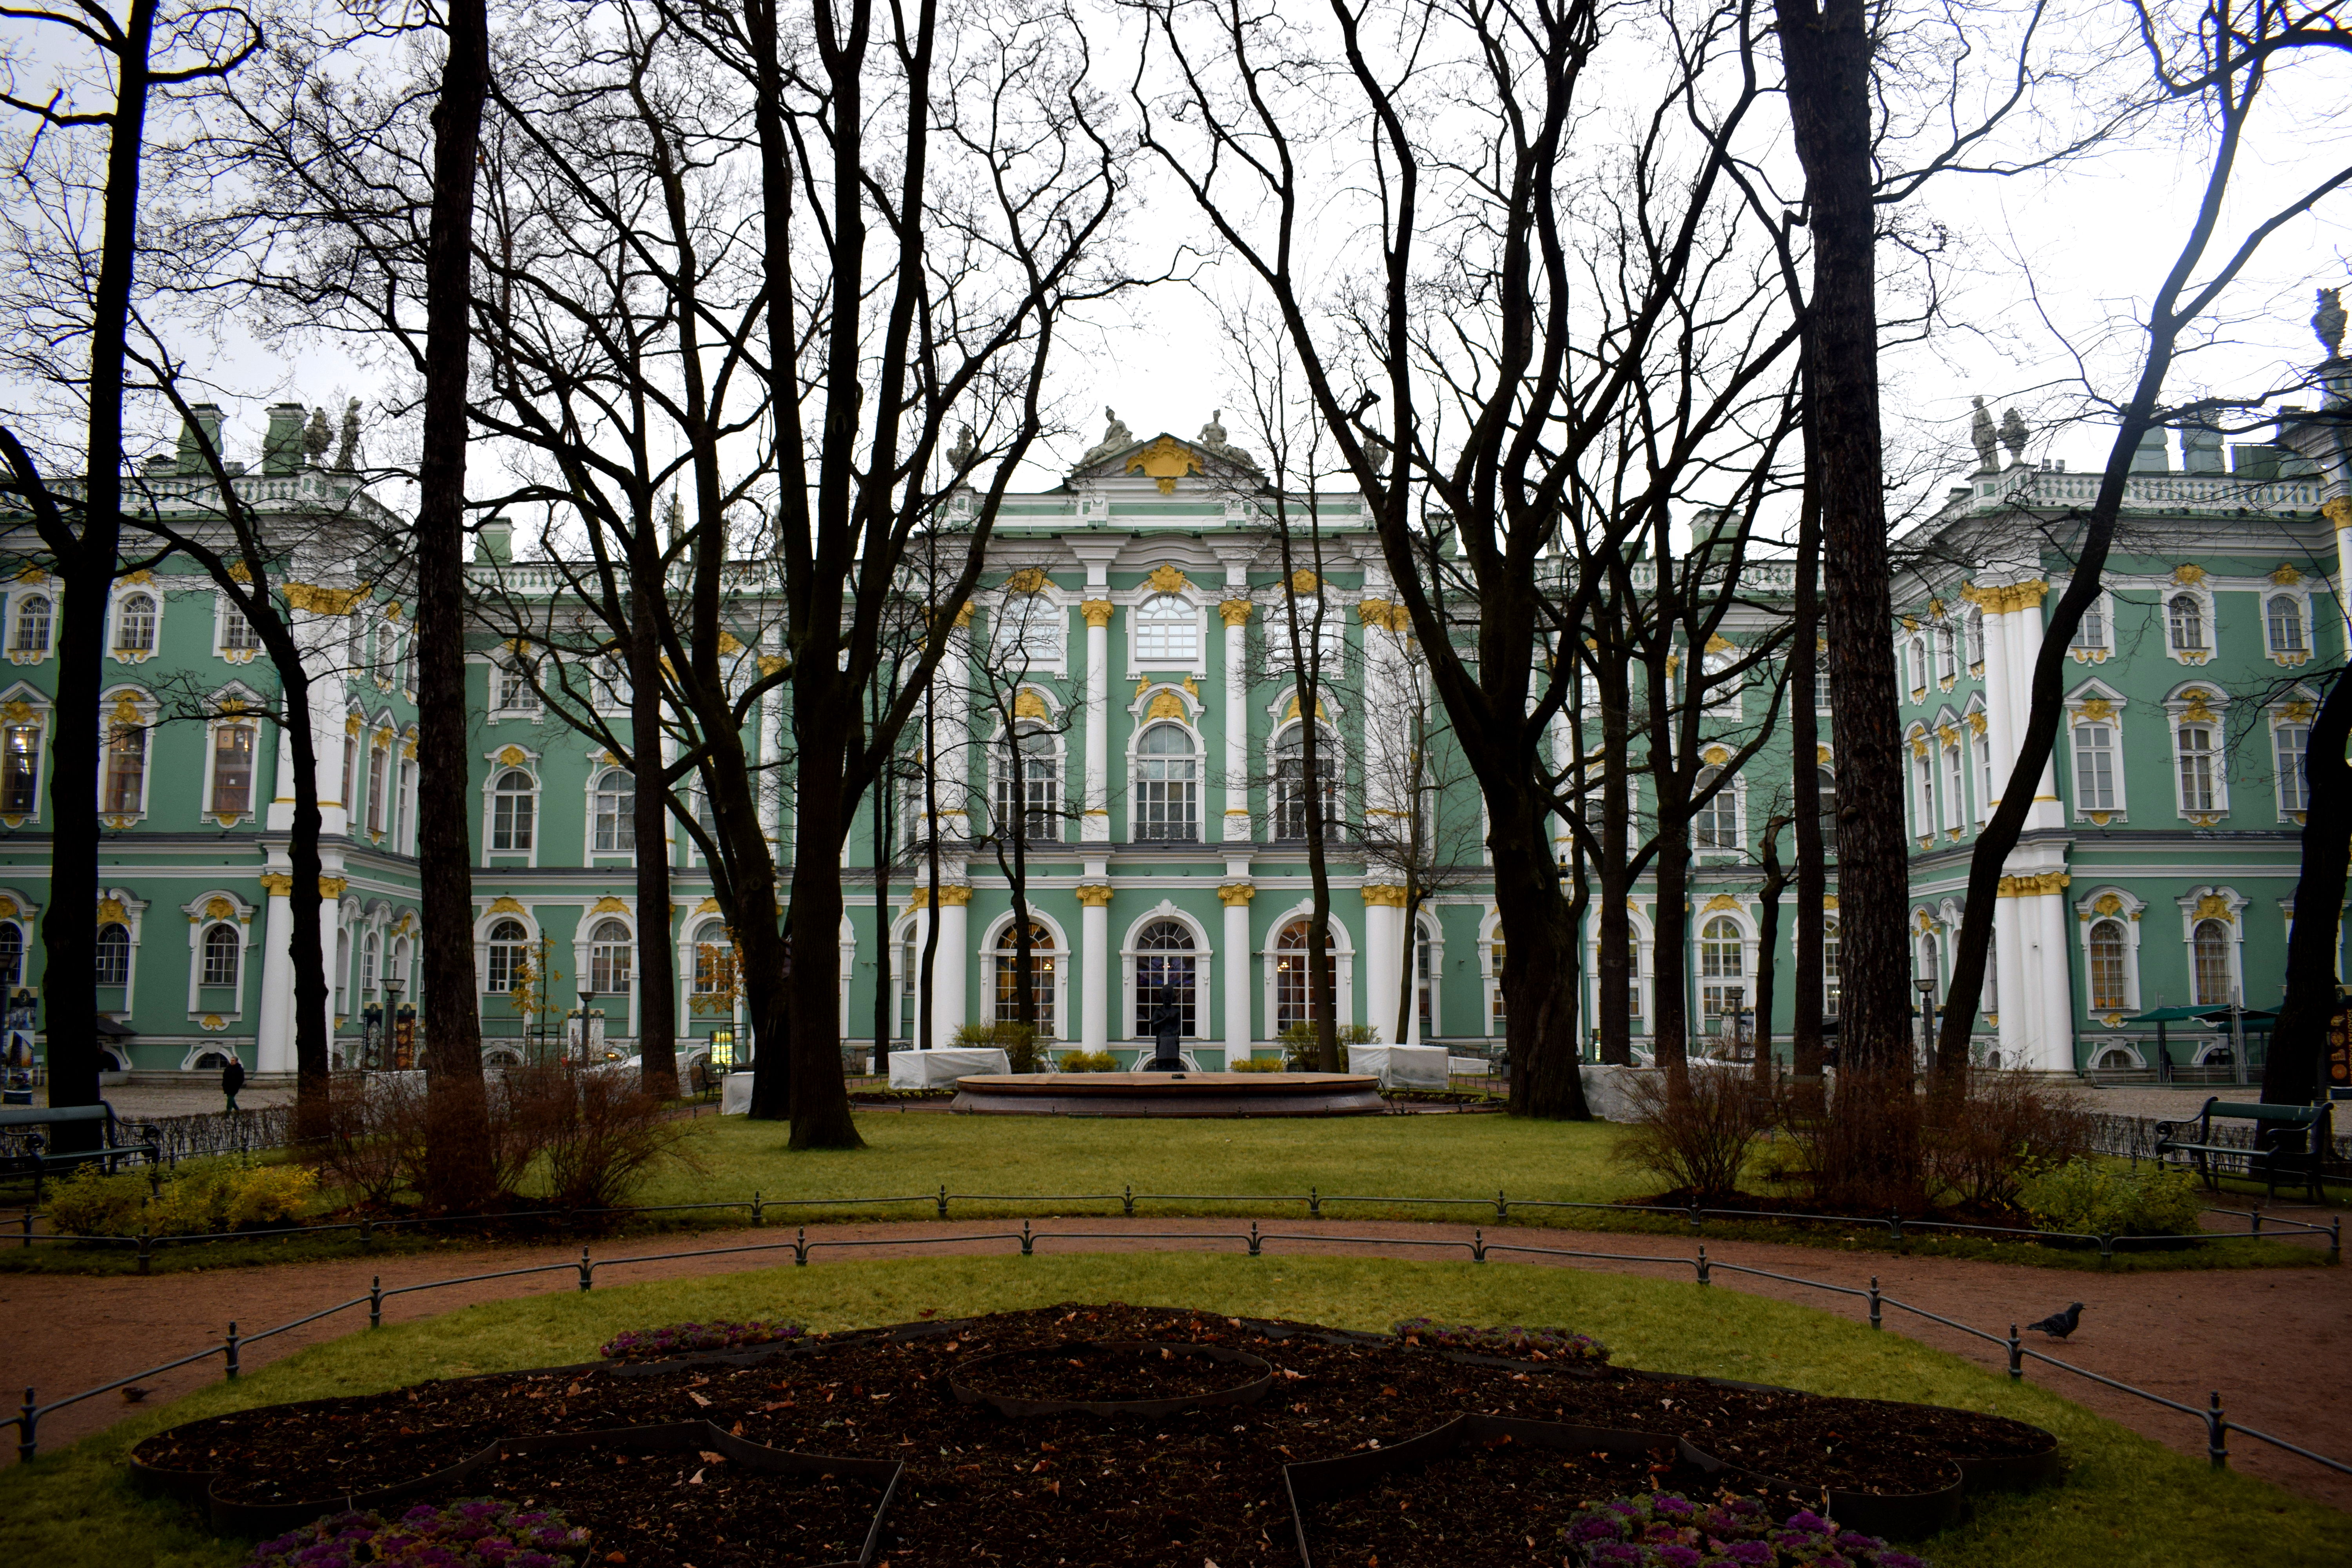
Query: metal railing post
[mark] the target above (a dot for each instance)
(1313, 1204)
(146, 1248)
(2217, 1447)
(943, 1200)
(1028, 1242)
(2336, 1239)
(1502, 1206)
(1127, 1200)
(375, 1301)
(230, 1347)
(2016, 1356)
(1894, 1228)
(799, 1248)
(29, 1226)
(1253, 1241)
(2107, 1248)
(1704, 1267)
(587, 1272)
(757, 1205)
(2256, 1216)
(29, 1442)
(1696, 1219)
(1873, 1301)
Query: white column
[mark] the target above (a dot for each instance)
(2017, 1047)
(1094, 828)
(1095, 959)
(1383, 927)
(2057, 1054)
(1236, 970)
(770, 779)
(1235, 611)
(948, 966)
(274, 1028)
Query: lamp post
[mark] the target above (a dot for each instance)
(1927, 985)
(371, 1034)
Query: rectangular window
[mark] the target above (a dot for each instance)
(2197, 773)
(20, 771)
(126, 770)
(2288, 743)
(351, 774)
(1952, 794)
(2094, 767)
(237, 635)
(1923, 784)
(2092, 632)
(1984, 776)
(404, 831)
(233, 770)
(379, 760)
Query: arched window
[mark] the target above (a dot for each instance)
(114, 953)
(1290, 793)
(1982, 743)
(1715, 822)
(1972, 634)
(1497, 1013)
(1722, 966)
(1632, 976)
(33, 623)
(714, 966)
(1167, 785)
(12, 955)
(1946, 671)
(126, 769)
(1830, 980)
(135, 624)
(343, 971)
(507, 942)
(1825, 803)
(1918, 664)
(2286, 624)
(512, 808)
(1041, 977)
(2107, 984)
(2211, 942)
(910, 974)
(1923, 789)
(1167, 630)
(370, 955)
(1027, 627)
(1293, 1002)
(608, 958)
(1165, 970)
(1028, 787)
(615, 814)
(1924, 956)
(2186, 615)
(379, 765)
(222, 950)
(1424, 980)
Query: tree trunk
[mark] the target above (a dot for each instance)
(657, 975)
(458, 1126)
(1804, 763)
(2294, 1072)
(1541, 1029)
(885, 948)
(925, 1000)
(1768, 947)
(312, 1025)
(1580, 905)
(1669, 961)
(1827, 55)
(1615, 966)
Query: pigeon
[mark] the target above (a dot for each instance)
(2058, 1325)
(134, 1394)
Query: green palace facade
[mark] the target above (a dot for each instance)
(1132, 625)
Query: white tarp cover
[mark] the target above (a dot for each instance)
(937, 1069)
(1414, 1067)
(1469, 1067)
(735, 1094)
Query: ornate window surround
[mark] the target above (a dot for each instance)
(2206, 704)
(2214, 901)
(501, 761)
(2097, 702)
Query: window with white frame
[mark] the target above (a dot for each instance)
(1497, 1012)
(1041, 977)
(1722, 686)
(509, 942)
(1167, 968)
(1825, 804)
(237, 635)
(1028, 786)
(125, 782)
(2289, 740)
(1948, 671)
(379, 769)
(232, 771)
(2209, 944)
(510, 688)
(1953, 792)
(1715, 822)
(12, 955)
(2184, 624)
(1919, 660)
(20, 768)
(1972, 634)
(2196, 749)
(370, 960)
(1290, 792)
(2109, 976)
(608, 958)
(135, 623)
(1980, 748)
(1830, 982)
(343, 971)
(1722, 966)
(222, 950)
(714, 962)
(1823, 708)
(351, 775)
(614, 813)
(1293, 1002)
(1424, 979)
(1027, 628)
(514, 802)
(32, 628)
(113, 966)
(1322, 635)
(1923, 790)
(404, 835)
(2091, 631)
(1632, 976)
(2096, 767)
(2283, 624)
(1167, 631)
(1167, 785)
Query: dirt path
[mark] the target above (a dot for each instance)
(2259, 1336)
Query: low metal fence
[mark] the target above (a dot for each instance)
(1897, 1229)
(230, 1347)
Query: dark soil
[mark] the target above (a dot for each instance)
(691, 1506)
(1076, 1489)
(1097, 1373)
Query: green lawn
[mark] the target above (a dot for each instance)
(2126, 1501)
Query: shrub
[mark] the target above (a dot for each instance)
(1544, 1345)
(1981, 1149)
(481, 1532)
(1694, 1136)
(188, 1202)
(598, 1131)
(2092, 1198)
(375, 1142)
(1086, 1061)
(1017, 1041)
(1661, 1529)
(1861, 1153)
(1256, 1064)
(679, 1337)
(1299, 1049)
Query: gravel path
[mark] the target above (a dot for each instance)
(2256, 1335)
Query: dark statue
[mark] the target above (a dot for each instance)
(1167, 1037)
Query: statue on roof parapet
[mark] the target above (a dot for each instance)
(2328, 322)
(2014, 435)
(1980, 431)
(1117, 437)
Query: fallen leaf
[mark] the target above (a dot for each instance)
(951, 1344)
(695, 1479)
(616, 1557)
(737, 1431)
(570, 1391)
(708, 1457)
(697, 1397)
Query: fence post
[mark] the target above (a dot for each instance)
(2257, 1215)
(2217, 1448)
(2107, 1248)
(1895, 1226)
(230, 1347)
(1313, 1204)
(1502, 1206)
(375, 1301)
(1873, 1301)
(1695, 1221)
(27, 1424)
(1478, 1246)
(1128, 1199)
(1254, 1239)
(146, 1248)
(757, 1205)
(1704, 1265)
(1027, 1241)
(29, 1226)
(799, 1248)
(2016, 1356)
(943, 1200)
(2336, 1239)
(587, 1271)
(367, 1230)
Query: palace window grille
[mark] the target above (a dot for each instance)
(616, 812)
(1293, 997)
(1041, 977)
(513, 806)
(1029, 787)
(1290, 792)
(608, 958)
(33, 623)
(2199, 790)
(508, 941)
(351, 777)
(1167, 785)
(2288, 743)
(2211, 942)
(2108, 992)
(1722, 963)
(135, 624)
(114, 953)
(2285, 624)
(2186, 617)
(126, 769)
(238, 634)
(222, 950)
(1166, 969)
(1167, 631)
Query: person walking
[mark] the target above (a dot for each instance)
(232, 1079)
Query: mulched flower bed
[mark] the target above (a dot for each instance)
(1100, 1372)
(1079, 1489)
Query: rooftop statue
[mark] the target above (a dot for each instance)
(2014, 435)
(1117, 437)
(1213, 438)
(347, 459)
(1980, 431)
(2329, 322)
(959, 454)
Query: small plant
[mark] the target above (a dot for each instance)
(189, 1202)
(1695, 1134)
(1258, 1064)
(2091, 1198)
(1086, 1061)
(481, 1532)
(1300, 1050)
(1981, 1149)
(679, 1337)
(1541, 1345)
(1661, 1529)
(1017, 1041)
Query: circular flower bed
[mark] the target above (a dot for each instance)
(651, 1344)
(1537, 1344)
(478, 1532)
(1661, 1529)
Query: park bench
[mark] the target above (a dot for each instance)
(26, 1150)
(2287, 1140)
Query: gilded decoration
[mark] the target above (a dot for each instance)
(512, 757)
(1166, 578)
(1716, 756)
(1949, 735)
(1719, 902)
(707, 907)
(1718, 643)
(505, 905)
(1236, 612)
(2287, 576)
(2337, 511)
(140, 578)
(1098, 613)
(312, 598)
(1292, 711)
(238, 572)
(1304, 582)
(31, 573)
(1383, 895)
(954, 893)
(1095, 895)
(608, 905)
(1194, 688)
(2097, 710)
(2298, 711)
(2199, 707)
(1164, 462)
(729, 642)
(1028, 580)
(2108, 904)
(7, 907)
(276, 884)
(1977, 722)
(2033, 887)
(17, 712)
(1028, 704)
(1936, 608)
(1829, 901)
(334, 886)
(1166, 704)
(963, 613)
(2002, 598)
(1821, 755)
(1918, 745)
(2187, 575)
(218, 909)
(2214, 906)
(2100, 818)
(353, 725)
(215, 1021)
(1910, 623)
(773, 664)
(1385, 614)
(112, 909)
(1231, 893)
(126, 708)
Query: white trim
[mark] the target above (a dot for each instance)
(1343, 954)
(497, 770)
(201, 924)
(2127, 915)
(1204, 1011)
(1065, 956)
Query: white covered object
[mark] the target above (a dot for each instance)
(1469, 1067)
(937, 1069)
(735, 1094)
(1413, 1067)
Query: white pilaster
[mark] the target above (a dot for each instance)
(2049, 918)
(1236, 612)
(1235, 972)
(1094, 959)
(2017, 1008)
(274, 1028)
(1384, 929)
(949, 967)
